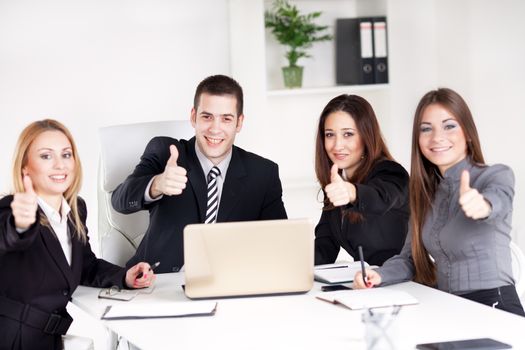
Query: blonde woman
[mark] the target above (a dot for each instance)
(44, 248)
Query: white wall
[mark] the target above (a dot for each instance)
(97, 63)
(482, 55)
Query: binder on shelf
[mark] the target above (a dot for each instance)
(380, 50)
(354, 51)
(361, 51)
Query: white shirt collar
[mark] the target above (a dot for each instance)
(52, 214)
(207, 164)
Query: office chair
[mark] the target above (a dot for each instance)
(120, 151)
(75, 342)
(518, 268)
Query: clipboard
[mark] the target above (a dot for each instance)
(159, 310)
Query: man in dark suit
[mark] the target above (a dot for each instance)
(204, 179)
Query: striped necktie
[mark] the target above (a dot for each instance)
(213, 196)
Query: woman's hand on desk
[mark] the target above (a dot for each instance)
(140, 276)
(372, 277)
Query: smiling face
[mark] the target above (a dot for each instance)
(216, 123)
(343, 142)
(441, 138)
(50, 165)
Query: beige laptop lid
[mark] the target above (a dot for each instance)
(248, 258)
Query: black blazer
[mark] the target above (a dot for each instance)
(35, 271)
(251, 191)
(382, 199)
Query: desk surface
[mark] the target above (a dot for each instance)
(302, 321)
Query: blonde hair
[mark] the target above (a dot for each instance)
(25, 140)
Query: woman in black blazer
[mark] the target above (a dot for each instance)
(365, 190)
(44, 248)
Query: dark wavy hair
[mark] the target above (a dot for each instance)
(375, 148)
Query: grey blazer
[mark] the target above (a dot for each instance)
(469, 254)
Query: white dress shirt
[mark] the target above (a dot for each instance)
(58, 223)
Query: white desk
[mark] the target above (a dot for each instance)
(302, 321)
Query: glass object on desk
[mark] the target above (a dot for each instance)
(380, 328)
(115, 293)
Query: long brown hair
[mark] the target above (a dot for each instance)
(424, 178)
(26, 138)
(368, 128)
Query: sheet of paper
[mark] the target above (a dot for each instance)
(368, 298)
(157, 310)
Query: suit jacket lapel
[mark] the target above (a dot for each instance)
(55, 250)
(196, 178)
(77, 258)
(233, 186)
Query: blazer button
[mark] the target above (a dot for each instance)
(65, 292)
(175, 269)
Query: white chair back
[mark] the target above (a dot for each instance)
(518, 268)
(120, 151)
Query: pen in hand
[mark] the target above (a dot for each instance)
(363, 270)
(151, 268)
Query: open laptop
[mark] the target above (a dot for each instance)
(248, 258)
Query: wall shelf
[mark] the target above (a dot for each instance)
(328, 90)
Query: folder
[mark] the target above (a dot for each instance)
(354, 51)
(159, 310)
(368, 298)
(337, 273)
(380, 50)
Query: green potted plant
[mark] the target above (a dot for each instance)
(296, 31)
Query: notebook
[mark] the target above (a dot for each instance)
(248, 258)
(368, 298)
(337, 273)
(159, 310)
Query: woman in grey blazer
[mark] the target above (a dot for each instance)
(461, 211)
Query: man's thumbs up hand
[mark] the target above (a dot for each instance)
(173, 180)
(473, 204)
(339, 191)
(24, 205)
(174, 155)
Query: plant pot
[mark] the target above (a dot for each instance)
(293, 76)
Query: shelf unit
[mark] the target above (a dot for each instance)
(327, 90)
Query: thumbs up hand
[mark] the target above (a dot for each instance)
(474, 205)
(173, 180)
(24, 205)
(339, 191)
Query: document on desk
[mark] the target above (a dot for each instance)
(337, 273)
(159, 310)
(368, 298)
